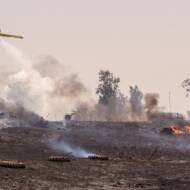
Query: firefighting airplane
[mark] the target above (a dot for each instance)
(10, 35)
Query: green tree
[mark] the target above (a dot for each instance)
(136, 106)
(186, 86)
(108, 87)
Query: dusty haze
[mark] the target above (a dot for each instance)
(144, 42)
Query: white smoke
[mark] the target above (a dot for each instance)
(66, 148)
(41, 93)
(16, 54)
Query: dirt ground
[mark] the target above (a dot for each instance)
(140, 157)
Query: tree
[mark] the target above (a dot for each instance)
(136, 106)
(108, 87)
(186, 85)
(121, 107)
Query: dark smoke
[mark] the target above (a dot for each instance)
(151, 102)
(49, 66)
(69, 87)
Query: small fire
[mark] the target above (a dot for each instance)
(187, 129)
(176, 131)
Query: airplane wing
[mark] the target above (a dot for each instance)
(10, 36)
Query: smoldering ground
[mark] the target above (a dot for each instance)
(67, 148)
(44, 86)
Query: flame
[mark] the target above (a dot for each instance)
(187, 129)
(175, 131)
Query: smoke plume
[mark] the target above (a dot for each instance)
(115, 110)
(45, 86)
(119, 108)
(66, 148)
(42, 86)
(151, 102)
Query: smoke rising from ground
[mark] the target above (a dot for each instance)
(45, 87)
(41, 86)
(66, 148)
(151, 102)
(115, 110)
(120, 108)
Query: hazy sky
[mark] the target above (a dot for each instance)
(144, 42)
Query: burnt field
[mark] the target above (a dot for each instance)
(140, 157)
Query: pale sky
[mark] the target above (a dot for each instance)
(144, 42)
